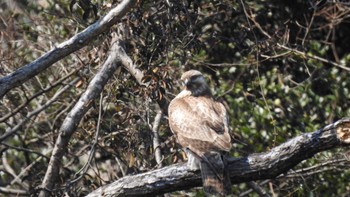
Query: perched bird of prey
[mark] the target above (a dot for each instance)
(200, 125)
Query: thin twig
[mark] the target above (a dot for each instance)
(309, 25)
(315, 169)
(86, 166)
(7, 166)
(156, 144)
(342, 66)
(251, 190)
(59, 82)
(24, 150)
(25, 171)
(13, 192)
(37, 111)
(270, 116)
(256, 187)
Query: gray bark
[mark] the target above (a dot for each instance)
(260, 166)
(72, 120)
(62, 50)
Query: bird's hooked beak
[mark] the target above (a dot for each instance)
(185, 82)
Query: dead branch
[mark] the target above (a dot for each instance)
(72, 120)
(156, 143)
(267, 165)
(62, 50)
(13, 192)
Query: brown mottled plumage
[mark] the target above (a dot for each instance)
(201, 127)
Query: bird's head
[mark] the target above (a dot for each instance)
(194, 81)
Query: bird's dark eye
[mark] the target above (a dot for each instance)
(193, 78)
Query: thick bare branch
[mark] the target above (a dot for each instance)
(72, 120)
(62, 50)
(260, 166)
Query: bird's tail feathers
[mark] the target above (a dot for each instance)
(215, 176)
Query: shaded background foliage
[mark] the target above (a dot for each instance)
(262, 60)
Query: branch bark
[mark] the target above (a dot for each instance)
(72, 120)
(156, 143)
(260, 166)
(62, 50)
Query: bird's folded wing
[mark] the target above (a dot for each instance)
(200, 119)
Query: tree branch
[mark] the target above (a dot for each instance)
(260, 166)
(72, 120)
(156, 143)
(62, 50)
